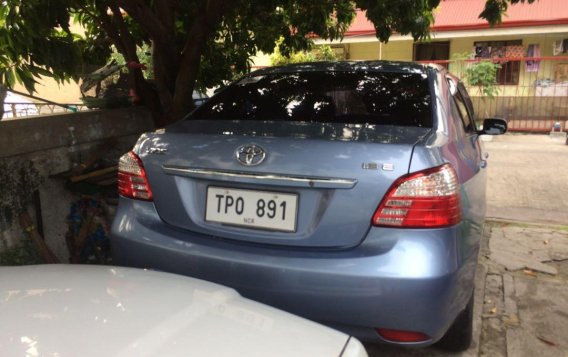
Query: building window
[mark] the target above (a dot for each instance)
(432, 51)
(341, 52)
(509, 72)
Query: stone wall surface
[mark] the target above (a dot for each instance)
(34, 151)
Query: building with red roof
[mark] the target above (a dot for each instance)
(457, 28)
(463, 15)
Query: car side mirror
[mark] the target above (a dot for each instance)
(494, 126)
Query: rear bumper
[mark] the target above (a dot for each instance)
(416, 280)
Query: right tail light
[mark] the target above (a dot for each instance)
(424, 199)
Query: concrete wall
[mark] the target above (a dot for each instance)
(392, 51)
(34, 150)
(48, 88)
(37, 134)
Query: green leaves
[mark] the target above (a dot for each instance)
(495, 9)
(484, 75)
(9, 77)
(26, 77)
(12, 75)
(37, 39)
(319, 53)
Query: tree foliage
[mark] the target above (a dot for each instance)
(318, 53)
(35, 40)
(483, 74)
(195, 43)
(477, 73)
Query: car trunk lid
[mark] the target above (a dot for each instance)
(331, 177)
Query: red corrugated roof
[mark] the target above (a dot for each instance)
(464, 15)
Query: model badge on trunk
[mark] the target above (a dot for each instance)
(250, 154)
(159, 151)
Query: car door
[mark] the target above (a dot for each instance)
(474, 149)
(473, 163)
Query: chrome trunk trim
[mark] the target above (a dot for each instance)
(260, 178)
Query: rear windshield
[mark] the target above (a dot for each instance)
(361, 97)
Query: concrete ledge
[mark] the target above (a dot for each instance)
(557, 134)
(23, 136)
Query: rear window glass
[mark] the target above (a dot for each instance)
(382, 98)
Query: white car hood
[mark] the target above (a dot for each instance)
(72, 310)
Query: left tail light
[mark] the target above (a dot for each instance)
(132, 179)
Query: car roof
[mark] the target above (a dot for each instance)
(341, 66)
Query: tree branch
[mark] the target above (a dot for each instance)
(111, 31)
(125, 35)
(164, 10)
(125, 43)
(143, 14)
(206, 22)
(162, 34)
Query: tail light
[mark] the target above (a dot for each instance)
(402, 336)
(425, 199)
(132, 179)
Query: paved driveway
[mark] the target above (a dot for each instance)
(528, 178)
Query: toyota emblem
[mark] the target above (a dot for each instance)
(250, 154)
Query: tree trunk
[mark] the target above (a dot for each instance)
(204, 26)
(185, 83)
(175, 72)
(150, 98)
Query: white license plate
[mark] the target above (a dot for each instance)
(250, 208)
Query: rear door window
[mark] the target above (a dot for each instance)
(467, 121)
(357, 97)
(466, 98)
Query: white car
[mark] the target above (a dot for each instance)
(73, 310)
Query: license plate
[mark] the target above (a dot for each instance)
(250, 208)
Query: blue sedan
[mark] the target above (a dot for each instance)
(350, 193)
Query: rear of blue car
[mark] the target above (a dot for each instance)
(352, 194)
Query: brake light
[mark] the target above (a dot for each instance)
(402, 336)
(132, 179)
(425, 199)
